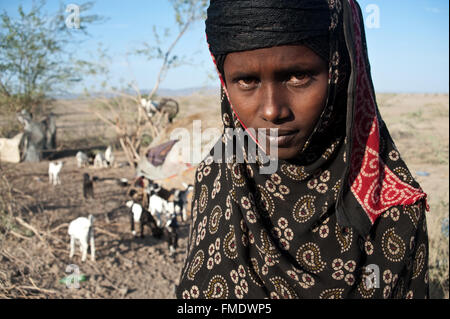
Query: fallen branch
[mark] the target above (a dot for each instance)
(36, 232)
(15, 190)
(12, 232)
(12, 258)
(41, 289)
(100, 230)
(28, 226)
(127, 153)
(58, 227)
(38, 289)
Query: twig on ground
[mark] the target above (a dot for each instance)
(38, 289)
(28, 226)
(58, 227)
(12, 232)
(42, 289)
(15, 190)
(36, 232)
(12, 258)
(100, 230)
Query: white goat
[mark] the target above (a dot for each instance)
(109, 156)
(81, 230)
(100, 161)
(149, 106)
(53, 172)
(82, 159)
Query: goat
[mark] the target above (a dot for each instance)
(158, 203)
(149, 106)
(81, 230)
(88, 186)
(100, 161)
(53, 172)
(143, 216)
(109, 156)
(181, 201)
(82, 159)
(170, 231)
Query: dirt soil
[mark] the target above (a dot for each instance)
(125, 266)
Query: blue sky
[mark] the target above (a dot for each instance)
(409, 52)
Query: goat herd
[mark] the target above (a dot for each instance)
(150, 205)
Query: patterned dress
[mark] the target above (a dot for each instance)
(344, 220)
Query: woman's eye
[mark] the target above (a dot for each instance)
(299, 80)
(247, 84)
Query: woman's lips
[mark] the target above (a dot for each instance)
(283, 139)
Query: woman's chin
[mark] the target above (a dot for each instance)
(285, 153)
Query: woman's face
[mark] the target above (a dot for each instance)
(282, 87)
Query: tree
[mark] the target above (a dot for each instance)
(131, 131)
(186, 13)
(37, 55)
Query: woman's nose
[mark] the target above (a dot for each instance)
(274, 105)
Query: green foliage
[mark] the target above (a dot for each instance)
(37, 55)
(146, 140)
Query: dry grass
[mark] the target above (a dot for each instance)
(419, 125)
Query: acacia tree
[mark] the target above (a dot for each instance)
(186, 13)
(123, 106)
(37, 55)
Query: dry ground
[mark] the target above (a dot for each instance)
(31, 264)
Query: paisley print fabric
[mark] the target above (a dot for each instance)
(344, 220)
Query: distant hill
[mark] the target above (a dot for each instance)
(203, 90)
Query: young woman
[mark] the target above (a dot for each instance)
(341, 217)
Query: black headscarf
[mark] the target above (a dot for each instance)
(309, 229)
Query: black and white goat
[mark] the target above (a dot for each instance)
(181, 200)
(170, 232)
(143, 216)
(158, 203)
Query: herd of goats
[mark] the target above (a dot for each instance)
(149, 205)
